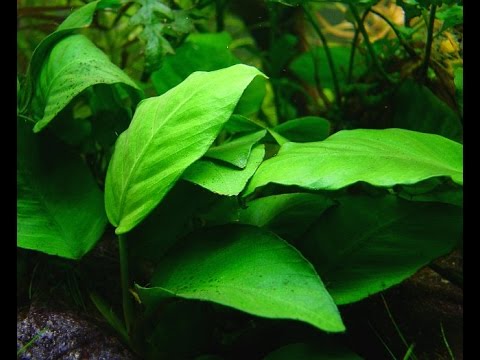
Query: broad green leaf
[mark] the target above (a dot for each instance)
(305, 129)
(82, 17)
(415, 107)
(309, 351)
(379, 157)
(73, 65)
(246, 268)
(237, 151)
(303, 65)
(167, 134)
(59, 206)
(194, 55)
(224, 179)
(365, 245)
(287, 215)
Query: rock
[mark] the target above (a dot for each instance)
(65, 335)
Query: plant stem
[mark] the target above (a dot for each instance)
(370, 49)
(354, 48)
(407, 48)
(428, 48)
(125, 282)
(328, 54)
(409, 352)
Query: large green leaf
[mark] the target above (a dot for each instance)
(59, 206)
(246, 268)
(167, 134)
(327, 350)
(73, 65)
(365, 245)
(224, 179)
(379, 157)
(415, 107)
(194, 55)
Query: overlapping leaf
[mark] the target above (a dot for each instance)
(82, 17)
(167, 134)
(73, 65)
(59, 206)
(248, 269)
(365, 245)
(379, 157)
